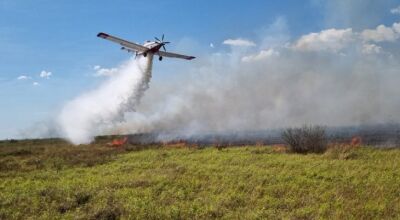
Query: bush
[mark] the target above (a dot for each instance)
(342, 151)
(307, 139)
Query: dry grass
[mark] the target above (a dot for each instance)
(342, 151)
(50, 179)
(29, 155)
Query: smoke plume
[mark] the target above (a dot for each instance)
(93, 112)
(336, 77)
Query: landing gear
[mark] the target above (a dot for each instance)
(145, 54)
(160, 58)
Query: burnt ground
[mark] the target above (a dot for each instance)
(381, 135)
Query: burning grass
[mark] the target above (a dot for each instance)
(50, 179)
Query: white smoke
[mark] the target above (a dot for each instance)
(91, 113)
(277, 87)
(334, 77)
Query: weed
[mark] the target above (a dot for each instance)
(130, 148)
(342, 151)
(220, 146)
(111, 211)
(82, 198)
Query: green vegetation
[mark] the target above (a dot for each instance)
(50, 179)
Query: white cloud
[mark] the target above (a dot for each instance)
(263, 54)
(45, 74)
(35, 83)
(371, 49)
(239, 42)
(381, 33)
(326, 40)
(396, 27)
(23, 77)
(395, 10)
(211, 45)
(104, 71)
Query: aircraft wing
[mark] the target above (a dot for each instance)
(175, 55)
(130, 45)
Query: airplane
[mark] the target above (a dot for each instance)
(149, 47)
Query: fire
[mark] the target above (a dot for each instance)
(356, 141)
(118, 142)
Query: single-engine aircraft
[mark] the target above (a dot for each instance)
(149, 47)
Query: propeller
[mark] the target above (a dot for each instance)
(162, 42)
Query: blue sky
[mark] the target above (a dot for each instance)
(60, 37)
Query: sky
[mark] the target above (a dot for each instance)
(50, 53)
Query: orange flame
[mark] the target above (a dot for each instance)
(356, 141)
(118, 142)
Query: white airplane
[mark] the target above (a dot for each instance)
(149, 47)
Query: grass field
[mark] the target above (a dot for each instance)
(50, 179)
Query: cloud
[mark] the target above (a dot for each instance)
(45, 74)
(396, 27)
(23, 77)
(395, 10)
(337, 40)
(371, 49)
(35, 83)
(211, 45)
(239, 42)
(326, 40)
(381, 33)
(263, 54)
(104, 71)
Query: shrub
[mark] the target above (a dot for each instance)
(342, 151)
(220, 146)
(307, 139)
(82, 198)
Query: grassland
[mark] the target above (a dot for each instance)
(50, 179)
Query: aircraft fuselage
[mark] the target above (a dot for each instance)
(154, 47)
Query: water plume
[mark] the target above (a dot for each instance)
(90, 113)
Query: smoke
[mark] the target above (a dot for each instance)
(357, 14)
(327, 78)
(93, 112)
(335, 77)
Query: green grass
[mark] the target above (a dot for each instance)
(51, 179)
